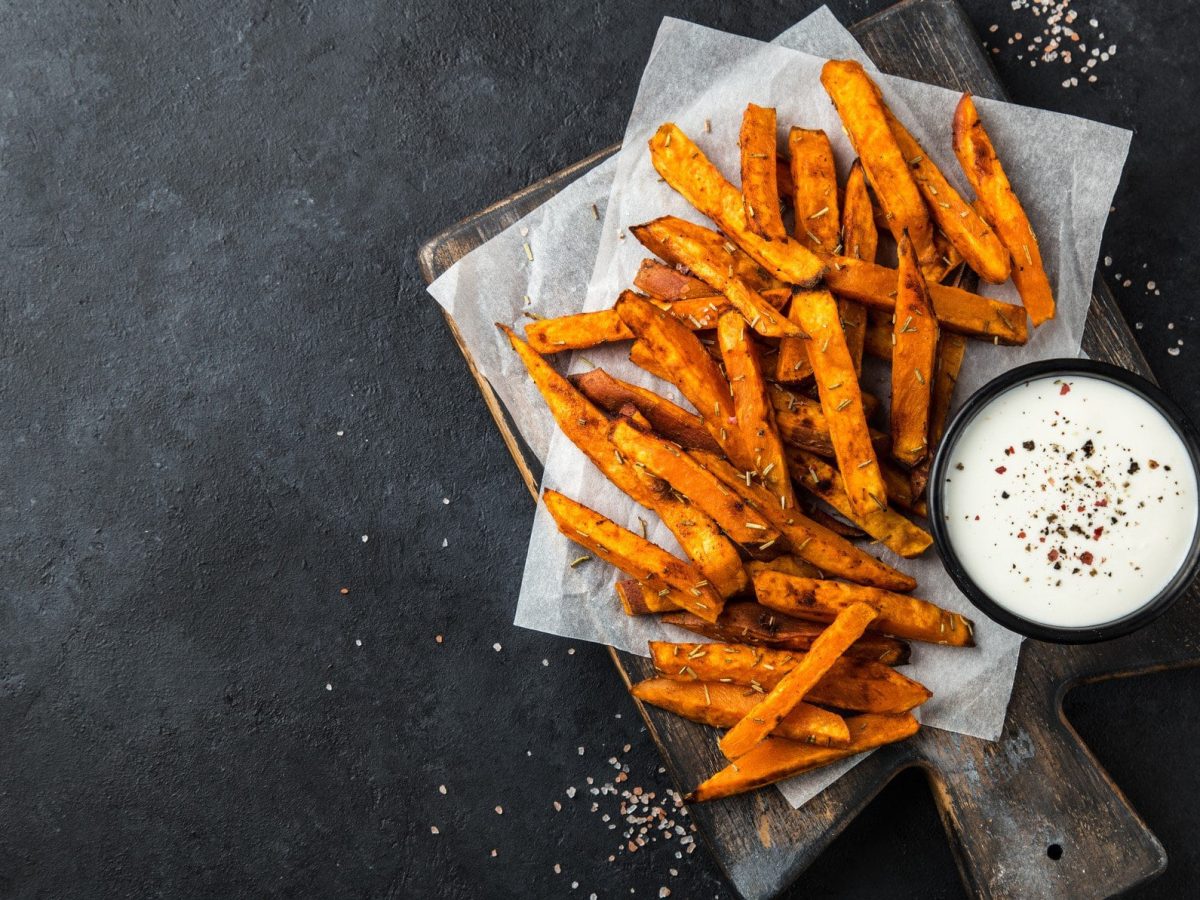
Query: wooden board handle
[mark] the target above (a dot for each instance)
(1034, 815)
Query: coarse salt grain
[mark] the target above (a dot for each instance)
(358, 642)
(445, 543)
(441, 789)
(433, 829)
(496, 647)
(499, 810)
(328, 686)
(365, 538)
(445, 501)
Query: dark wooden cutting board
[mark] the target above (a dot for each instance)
(1031, 815)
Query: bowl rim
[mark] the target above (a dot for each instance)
(1035, 371)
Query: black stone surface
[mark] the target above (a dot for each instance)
(219, 370)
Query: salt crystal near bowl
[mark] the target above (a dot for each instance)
(1064, 501)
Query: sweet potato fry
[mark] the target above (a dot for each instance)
(841, 399)
(688, 477)
(631, 414)
(914, 355)
(878, 342)
(812, 542)
(587, 428)
(682, 360)
(899, 615)
(707, 254)
(854, 684)
(664, 282)
(760, 184)
(669, 420)
(738, 264)
(788, 564)
(900, 489)
(860, 238)
(857, 101)
(951, 350)
(887, 526)
(653, 566)
(749, 623)
(777, 759)
(766, 715)
(722, 705)
(686, 169)
(590, 329)
(956, 310)
(814, 190)
(793, 366)
(970, 235)
(757, 438)
(638, 600)
(1003, 210)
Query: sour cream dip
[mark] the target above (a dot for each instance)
(1069, 500)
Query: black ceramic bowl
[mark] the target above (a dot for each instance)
(981, 398)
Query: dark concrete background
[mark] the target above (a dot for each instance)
(219, 370)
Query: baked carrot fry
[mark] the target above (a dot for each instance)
(682, 360)
(587, 428)
(814, 190)
(688, 477)
(899, 615)
(664, 282)
(749, 623)
(887, 526)
(675, 579)
(686, 169)
(669, 420)
(722, 705)
(914, 355)
(970, 235)
(956, 309)
(760, 184)
(814, 543)
(857, 101)
(855, 684)
(757, 438)
(590, 329)
(841, 399)
(776, 759)
(766, 715)
(951, 350)
(1003, 210)
(710, 257)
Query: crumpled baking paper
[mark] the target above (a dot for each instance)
(1065, 169)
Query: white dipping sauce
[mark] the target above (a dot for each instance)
(1070, 501)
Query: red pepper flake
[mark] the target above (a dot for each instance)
(1086, 557)
(1052, 555)
(1080, 508)
(1065, 389)
(1102, 502)
(1000, 470)
(1021, 535)
(1009, 452)
(977, 518)
(1096, 534)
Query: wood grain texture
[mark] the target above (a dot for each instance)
(1005, 804)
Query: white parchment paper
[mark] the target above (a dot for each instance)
(1066, 170)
